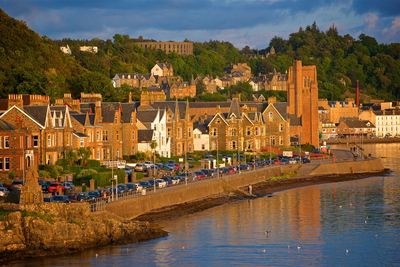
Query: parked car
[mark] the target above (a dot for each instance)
(292, 161)
(3, 191)
(305, 160)
(160, 183)
(140, 167)
(145, 184)
(93, 194)
(122, 188)
(55, 187)
(17, 184)
(148, 164)
(68, 186)
(132, 187)
(199, 175)
(60, 199)
(175, 180)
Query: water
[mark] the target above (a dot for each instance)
(355, 223)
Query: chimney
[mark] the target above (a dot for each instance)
(271, 100)
(358, 95)
(97, 112)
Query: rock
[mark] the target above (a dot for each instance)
(56, 228)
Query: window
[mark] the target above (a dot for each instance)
(270, 115)
(203, 146)
(49, 140)
(1, 164)
(105, 136)
(1, 141)
(98, 154)
(6, 142)
(280, 140)
(97, 135)
(35, 141)
(81, 142)
(233, 144)
(6, 164)
(169, 132)
(272, 140)
(248, 130)
(281, 127)
(257, 131)
(214, 131)
(117, 135)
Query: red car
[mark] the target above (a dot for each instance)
(277, 162)
(55, 187)
(199, 175)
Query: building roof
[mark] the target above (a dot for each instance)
(294, 121)
(235, 108)
(127, 109)
(356, 123)
(145, 136)
(201, 126)
(387, 112)
(282, 109)
(147, 116)
(5, 125)
(80, 135)
(38, 113)
(108, 110)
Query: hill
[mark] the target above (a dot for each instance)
(33, 64)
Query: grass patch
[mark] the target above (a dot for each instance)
(280, 177)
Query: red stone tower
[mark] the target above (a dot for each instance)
(303, 100)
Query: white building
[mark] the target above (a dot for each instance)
(90, 49)
(66, 50)
(155, 120)
(387, 122)
(162, 70)
(201, 138)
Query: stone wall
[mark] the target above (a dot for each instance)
(132, 208)
(350, 167)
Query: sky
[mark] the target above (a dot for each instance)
(241, 22)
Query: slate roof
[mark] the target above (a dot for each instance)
(58, 110)
(147, 116)
(281, 107)
(108, 110)
(80, 135)
(145, 136)
(235, 108)
(356, 123)
(171, 105)
(127, 109)
(201, 126)
(5, 125)
(81, 117)
(387, 112)
(87, 107)
(38, 113)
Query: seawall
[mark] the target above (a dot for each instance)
(349, 167)
(176, 195)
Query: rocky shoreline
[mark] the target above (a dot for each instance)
(259, 190)
(54, 229)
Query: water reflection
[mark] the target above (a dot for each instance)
(353, 223)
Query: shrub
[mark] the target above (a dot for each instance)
(44, 174)
(93, 163)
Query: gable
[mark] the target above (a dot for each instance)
(16, 116)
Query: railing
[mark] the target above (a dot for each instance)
(100, 203)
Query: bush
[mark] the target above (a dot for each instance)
(44, 174)
(93, 163)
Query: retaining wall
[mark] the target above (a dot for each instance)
(132, 208)
(364, 166)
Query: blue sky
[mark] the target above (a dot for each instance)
(242, 22)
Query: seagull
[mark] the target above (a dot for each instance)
(183, 247)
(97, 255)
(264, 250)
(347, 251)
(365, 221)
(267, 232)
(298, 247)
(340, 206)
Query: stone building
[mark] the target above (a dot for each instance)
(303, 102)
(337, 110)
(387, 122)
(355, 128)
(180, 48)
(182, 90)
(162, 70)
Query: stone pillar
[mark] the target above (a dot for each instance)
(31, 191)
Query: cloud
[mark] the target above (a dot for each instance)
(386, 8)
(394, 28)
(251, 22)
(371, 20)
